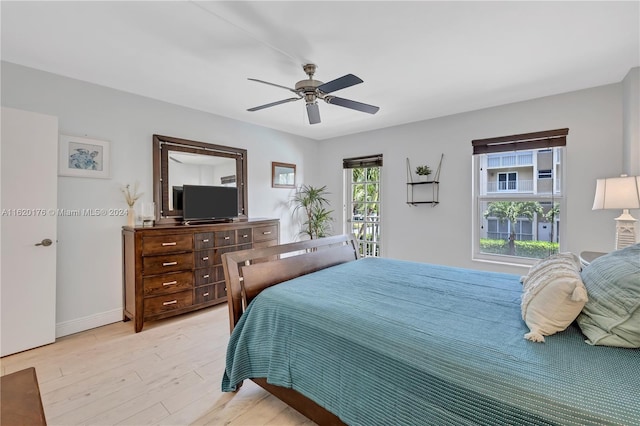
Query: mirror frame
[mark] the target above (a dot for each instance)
(161, 173)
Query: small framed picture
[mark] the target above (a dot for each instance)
(283, 175)
(83, 157)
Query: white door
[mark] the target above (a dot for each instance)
(544, 231)
(29, 153)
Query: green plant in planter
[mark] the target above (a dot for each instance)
(314, 204)
(423, 170)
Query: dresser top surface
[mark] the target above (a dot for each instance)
(203, 227)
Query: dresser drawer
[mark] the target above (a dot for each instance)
(206, 276)
(221, 290)
(167, 283)
(225, 238)
(152, 265)
(219, 252)
(244, 236)
(263, 244)
(204, 240)
(205, 258)
(209, 275)
(166, 244)
(262, 233)
(169, 302)
(205, 294)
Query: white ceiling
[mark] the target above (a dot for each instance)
(418, 60)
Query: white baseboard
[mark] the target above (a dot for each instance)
(92, 321)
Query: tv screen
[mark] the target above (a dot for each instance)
(209, 202)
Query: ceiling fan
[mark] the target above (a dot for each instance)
(311, 90)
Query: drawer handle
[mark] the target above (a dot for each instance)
(169, 263)
(205, 276)
(169, 244)
(205, 258)
(205, 240)
(170, 303)
(245, 236)
(205, 295)
(266, 232)
(226, 238)
(170, 283)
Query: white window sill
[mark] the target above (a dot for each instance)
(519, 262)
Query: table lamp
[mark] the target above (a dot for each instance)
(620, 193)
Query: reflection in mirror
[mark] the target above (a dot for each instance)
(178, 162)
(186, 168)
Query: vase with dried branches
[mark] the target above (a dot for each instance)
(131, 195)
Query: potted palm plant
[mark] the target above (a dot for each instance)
(313, 202)
(423, 173)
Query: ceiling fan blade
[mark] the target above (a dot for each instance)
(284, 101)
(339, 83)
(314, 113)
(273, 84)
(348, 103)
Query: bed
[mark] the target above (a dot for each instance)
(381, 342)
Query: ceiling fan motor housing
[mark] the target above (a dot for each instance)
(308, 89)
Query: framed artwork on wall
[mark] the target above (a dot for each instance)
(283, 175)
(83, 157)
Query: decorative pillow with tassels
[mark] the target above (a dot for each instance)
(553, 295)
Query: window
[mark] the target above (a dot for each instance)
(500, 229)
(363, 202)
(518, 202)
(545, 174)
(508, 181)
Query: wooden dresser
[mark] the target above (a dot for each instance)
(173, 269)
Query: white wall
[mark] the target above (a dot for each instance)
(631, 125)
(631, 130)
(442, 234)
(89, 278)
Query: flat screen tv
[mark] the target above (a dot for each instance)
(201, 202)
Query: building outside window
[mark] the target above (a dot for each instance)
(518, 201)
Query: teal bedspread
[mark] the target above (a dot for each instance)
(388, 342)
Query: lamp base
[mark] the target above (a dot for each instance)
(625, 230)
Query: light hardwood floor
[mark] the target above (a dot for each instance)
(168, 374)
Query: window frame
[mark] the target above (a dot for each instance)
(532, 141)
(367, 162)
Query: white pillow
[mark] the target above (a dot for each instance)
(554, 295)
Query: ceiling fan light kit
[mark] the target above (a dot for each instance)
(311, 90)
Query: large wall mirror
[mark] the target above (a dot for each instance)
(178, 162)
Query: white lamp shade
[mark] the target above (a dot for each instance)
(617, 193)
